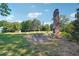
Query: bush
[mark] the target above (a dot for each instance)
(75, 36)
(66, 35)
(46, 27)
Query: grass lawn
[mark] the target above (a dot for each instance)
(18, 45)
(14, 45)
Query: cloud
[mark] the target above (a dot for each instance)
(12, 18)
(72, 16)
(47, 23)
(34, 14)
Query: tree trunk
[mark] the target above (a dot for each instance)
(56, 24)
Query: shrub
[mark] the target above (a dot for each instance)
(66, 35)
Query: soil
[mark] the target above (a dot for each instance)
(61, 47)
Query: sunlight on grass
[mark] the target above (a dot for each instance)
(17, 45)
(13, 44)
(34, 32)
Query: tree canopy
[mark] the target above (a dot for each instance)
(4, 9)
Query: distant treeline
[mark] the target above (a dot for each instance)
(28, 25)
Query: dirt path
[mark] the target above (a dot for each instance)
(61, 47)
(42, 39)
(68, 48)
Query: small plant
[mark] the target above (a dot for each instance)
(66, 35)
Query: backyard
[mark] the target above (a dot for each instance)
(21, 44)
(39, 29)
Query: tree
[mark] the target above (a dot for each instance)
(26, 25)
(69, 27)
(4, 9)
(2, 23)
(75, 33)
(11, 27)
(36, 25)
(16, 26)
(64, 20)
(51, 27)
(46, 27)
(8, 27)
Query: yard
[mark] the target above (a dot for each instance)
(21, 44)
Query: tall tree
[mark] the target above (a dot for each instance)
(51, 27)
(16, 26)
(8, 27)
(64, 20)
(36, 24)
(26, 25)
(56, 23)
(46, 27)
(75, 32)
(2, 23)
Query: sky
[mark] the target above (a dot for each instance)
(42, 11)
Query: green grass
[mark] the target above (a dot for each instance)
(17, 45)
(14, 45)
